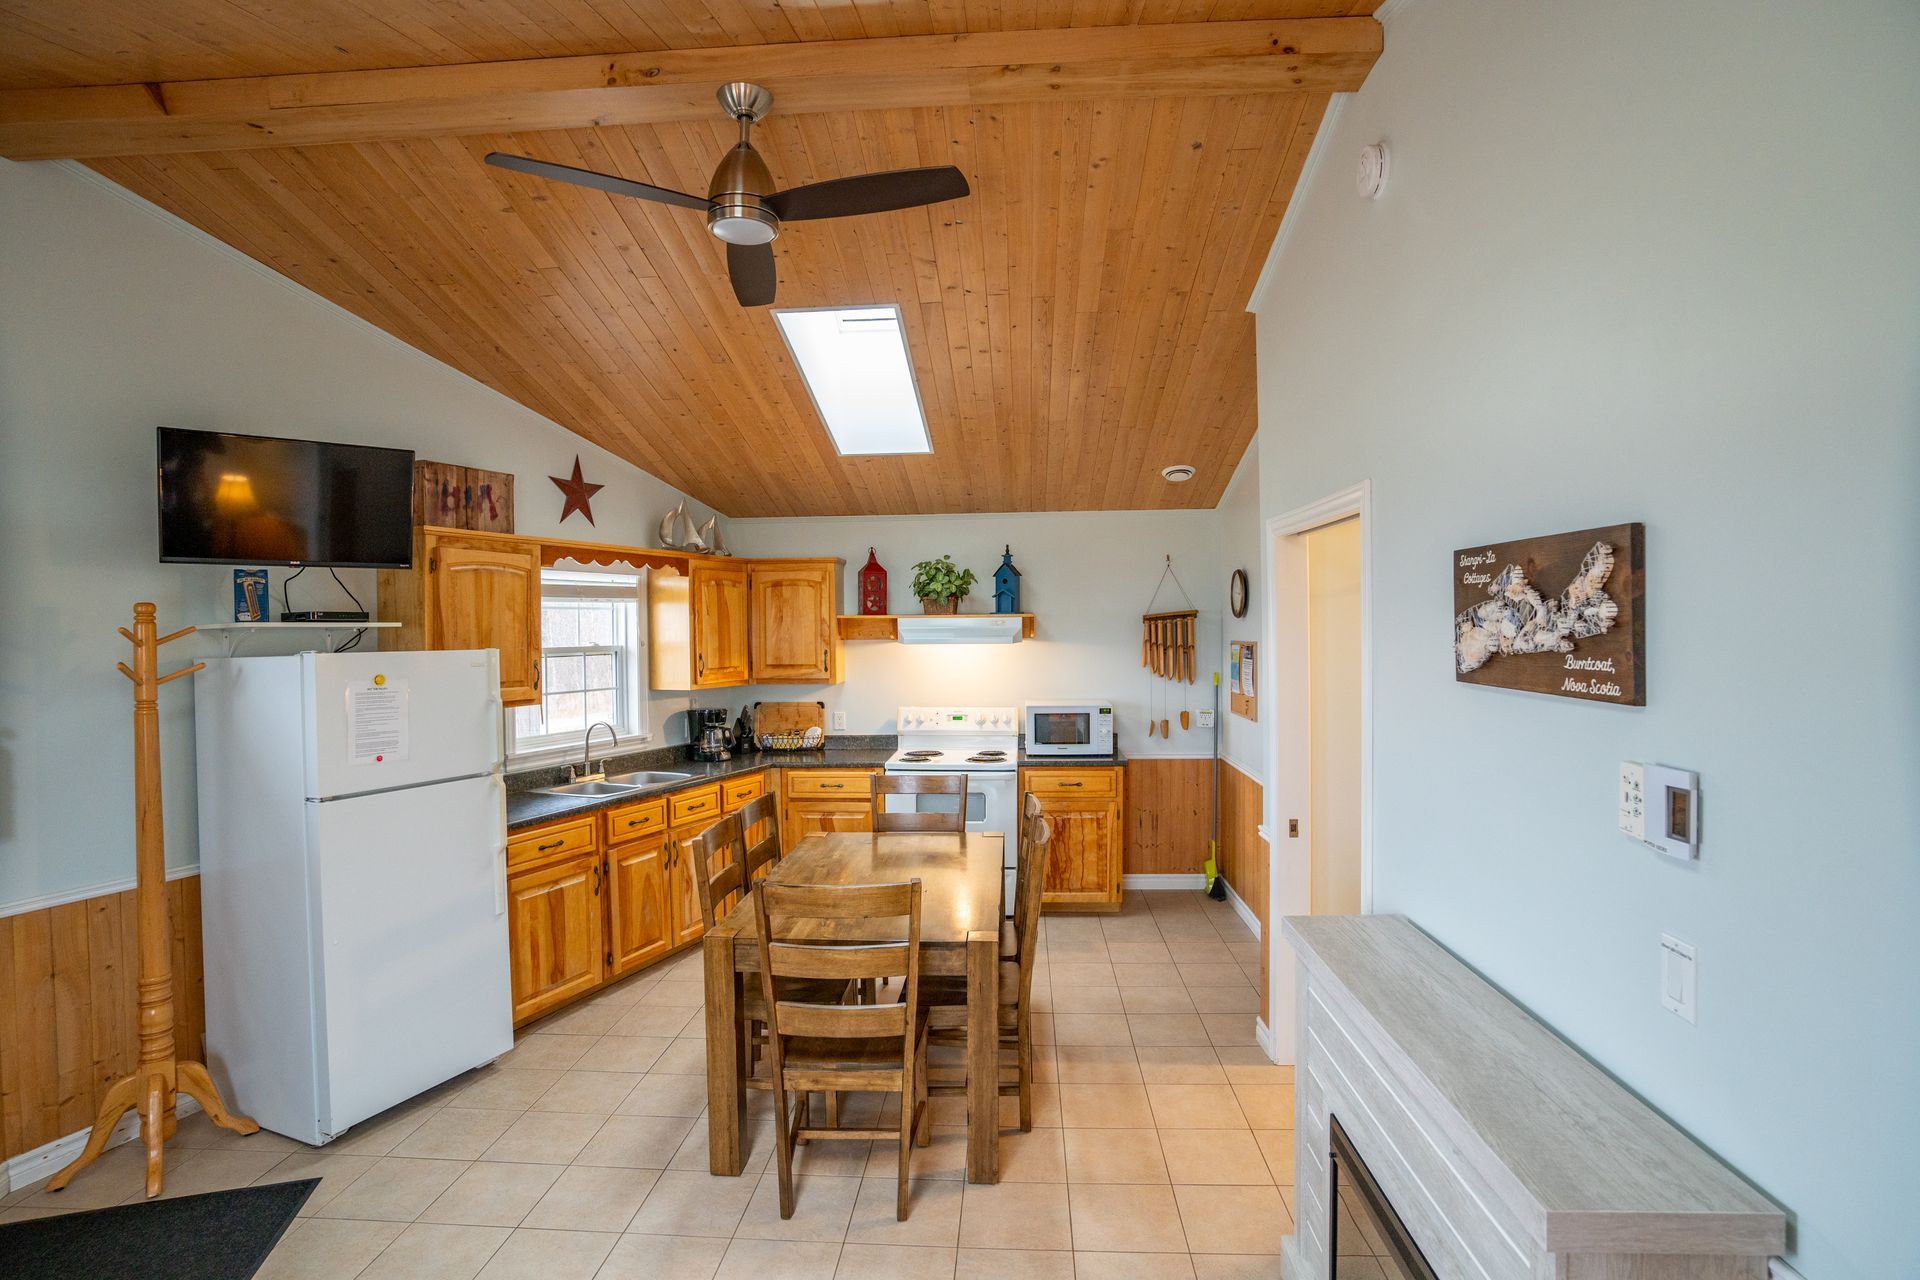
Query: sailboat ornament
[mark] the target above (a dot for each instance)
(678, 534)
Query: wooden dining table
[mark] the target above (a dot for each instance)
(961, 907)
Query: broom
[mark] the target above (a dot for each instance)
(1216, 887)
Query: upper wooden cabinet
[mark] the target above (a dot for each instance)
(794, 636)
(697, 625)
(470, 591)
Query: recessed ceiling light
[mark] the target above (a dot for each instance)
(854, 361)
(1179, 473)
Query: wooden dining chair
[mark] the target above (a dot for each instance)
(725, 866)
(761, 813)
(920, 784)
(1019, 947)
(827, 934)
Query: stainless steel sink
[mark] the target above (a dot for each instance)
(608, 788)
(648, 777)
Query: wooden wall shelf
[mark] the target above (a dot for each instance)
(885, 626)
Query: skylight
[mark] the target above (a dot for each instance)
(857, 370)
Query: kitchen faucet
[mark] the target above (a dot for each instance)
(585, 772)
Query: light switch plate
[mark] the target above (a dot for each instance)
(1206, 718)
(1677, 974)
(839, 721)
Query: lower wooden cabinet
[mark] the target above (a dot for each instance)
(813, 801)
(554, 932)
(1084, 861)
(639, 912)
(591, 899)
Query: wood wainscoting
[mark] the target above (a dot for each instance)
(1166, 816)
(68, 1004)
(1245, 860)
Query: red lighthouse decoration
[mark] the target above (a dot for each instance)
(873, 586)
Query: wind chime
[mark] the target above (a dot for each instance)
(160, 1076)
(1166, 648)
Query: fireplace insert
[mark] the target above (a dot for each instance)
(1368, 1240)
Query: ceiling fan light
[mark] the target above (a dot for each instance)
(743, 224)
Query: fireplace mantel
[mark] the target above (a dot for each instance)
(1504, 1151)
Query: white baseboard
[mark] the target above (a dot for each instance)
(1777, 1269)
(1179, 880)
(1263, 1034)
(49, 1158)
(1241, 909)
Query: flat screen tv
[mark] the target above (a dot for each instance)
(232, 499)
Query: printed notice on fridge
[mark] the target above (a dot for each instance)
(377, 722)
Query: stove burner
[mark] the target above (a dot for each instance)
(988, 757)
(918, 756)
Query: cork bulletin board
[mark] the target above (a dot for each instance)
(1563, 615)
(1243, 697)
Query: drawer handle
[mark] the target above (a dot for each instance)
(833, 786)
(1073, 784)
(637, 822)
(551, 844)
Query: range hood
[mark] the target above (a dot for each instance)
(960, 628)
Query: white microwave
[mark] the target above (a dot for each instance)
(1069, 729)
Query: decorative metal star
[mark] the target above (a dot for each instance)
(579, 493)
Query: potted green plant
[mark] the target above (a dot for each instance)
(941, 585)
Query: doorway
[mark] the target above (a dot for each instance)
(1333, 718)
(1319, 780)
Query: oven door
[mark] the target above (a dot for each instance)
(991, 806)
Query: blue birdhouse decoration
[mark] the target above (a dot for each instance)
(1006, 585)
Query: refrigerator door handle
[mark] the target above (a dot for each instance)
(500, 854)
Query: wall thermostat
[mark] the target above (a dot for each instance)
(1371, 179)
(1660, 807)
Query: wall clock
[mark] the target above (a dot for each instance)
(1237, 593)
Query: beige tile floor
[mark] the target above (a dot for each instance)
(1162, 1145)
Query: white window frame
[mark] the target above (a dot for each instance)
(630, 655)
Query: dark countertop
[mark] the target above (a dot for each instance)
(527, 807)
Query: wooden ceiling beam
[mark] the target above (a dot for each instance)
(1308, 55)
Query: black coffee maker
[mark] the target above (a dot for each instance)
(708, 737)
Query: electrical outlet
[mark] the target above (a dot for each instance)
(839, 721)
(1206, 718)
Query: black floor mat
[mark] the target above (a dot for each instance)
(224, 1235)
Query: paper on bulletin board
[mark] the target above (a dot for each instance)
(378, 731)
(1242, 698)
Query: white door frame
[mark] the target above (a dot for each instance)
(1282, 675)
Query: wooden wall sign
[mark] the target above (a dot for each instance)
(462, 497)
(1563, 614)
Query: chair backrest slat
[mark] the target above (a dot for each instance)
(763, 812)
(842, 1021)
(1036, 840)
(919, 784)
(722, 843)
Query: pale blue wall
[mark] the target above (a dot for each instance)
(1656, 262)
(116, 318)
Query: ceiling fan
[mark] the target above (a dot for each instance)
(742, 207)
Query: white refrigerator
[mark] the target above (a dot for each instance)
(352, 880)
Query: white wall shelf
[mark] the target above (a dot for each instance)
(232, 633)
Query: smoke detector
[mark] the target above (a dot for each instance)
(1179, 473)
(1371, 179)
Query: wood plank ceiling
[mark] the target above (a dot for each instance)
(1077, 324)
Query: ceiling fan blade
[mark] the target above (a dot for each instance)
(598, 181)
(751, 268)
(869, 193)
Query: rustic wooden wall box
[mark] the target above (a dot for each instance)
(1563, 614)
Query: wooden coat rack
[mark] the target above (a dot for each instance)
(157, 1080)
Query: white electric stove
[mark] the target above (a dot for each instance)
(981, 742)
